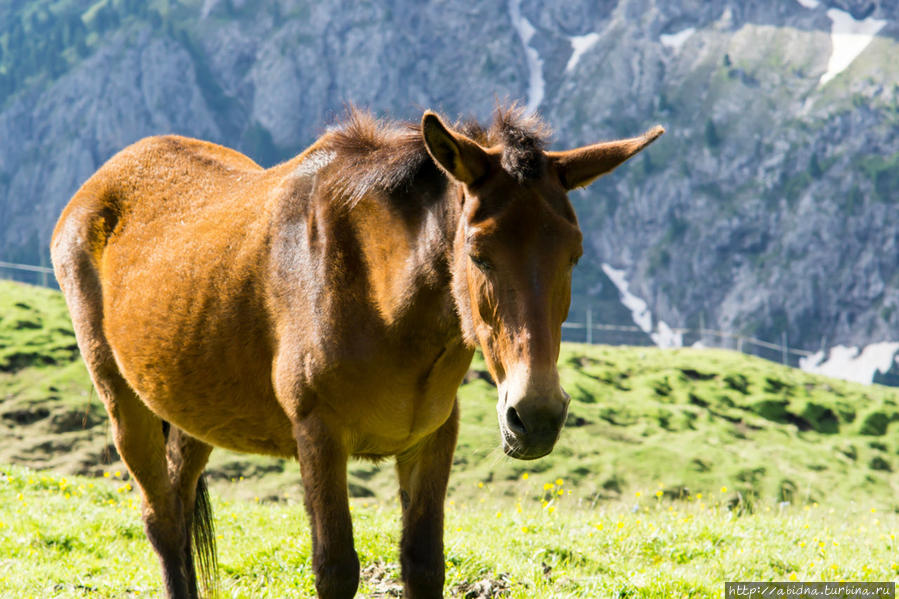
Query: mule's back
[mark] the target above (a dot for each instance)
(155, 177)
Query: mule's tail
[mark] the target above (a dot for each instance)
(203, 541)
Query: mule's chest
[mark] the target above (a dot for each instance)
(390, 402)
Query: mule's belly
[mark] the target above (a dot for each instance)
(244, 418)
(235, 410)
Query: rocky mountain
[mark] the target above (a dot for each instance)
(769, 207)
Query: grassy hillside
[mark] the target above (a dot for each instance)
(69, 537)
(642, 420)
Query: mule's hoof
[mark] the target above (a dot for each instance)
(338, 579)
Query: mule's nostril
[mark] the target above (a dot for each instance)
(513, 420)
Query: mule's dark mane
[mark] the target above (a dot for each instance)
(374, 154)
(379, 154)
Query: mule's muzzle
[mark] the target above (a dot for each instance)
(531, 427)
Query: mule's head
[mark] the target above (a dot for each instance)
(516, 243)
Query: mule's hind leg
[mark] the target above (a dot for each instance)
(137, 432)
(187, 458)
(167, 469)
(423, 475)
(139, 439)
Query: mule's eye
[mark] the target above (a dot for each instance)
(482, 263)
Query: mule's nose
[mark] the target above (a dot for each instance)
(533, 424)
(514, 422)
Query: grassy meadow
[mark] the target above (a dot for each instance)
(82, 537)
(677, 470)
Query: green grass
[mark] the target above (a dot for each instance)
(82, 537)
(35, 329)
(696, 420)
(692, 420)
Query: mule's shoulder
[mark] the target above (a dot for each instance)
(180, 147)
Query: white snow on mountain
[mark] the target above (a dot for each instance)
(579, 45)
(663, 335)
(848, 39)
(526, 31)
(676, 40)
(852, 364)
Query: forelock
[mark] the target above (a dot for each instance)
(523, 138)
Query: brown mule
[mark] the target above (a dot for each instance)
(325, 308)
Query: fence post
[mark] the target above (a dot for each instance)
(701, 326)
(783, 342)
(589, 325)
(43, 272)
(740, 344)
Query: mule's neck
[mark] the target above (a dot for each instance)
(406, 241)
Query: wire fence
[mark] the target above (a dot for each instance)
(613, 334)
(28, 273)
(585, 331)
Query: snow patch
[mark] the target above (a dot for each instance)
(639, 310)
(663, 336)
(666, 337)
(579, 45)
(809, 3)
(526, 31)
(848, 38)
(850, 364)
(676, 40)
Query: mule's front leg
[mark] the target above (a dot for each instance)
(323, 466)
(423, 474)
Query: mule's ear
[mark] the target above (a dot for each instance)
(461, 158)
(581, 166)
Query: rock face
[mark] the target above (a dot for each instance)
(768, 207)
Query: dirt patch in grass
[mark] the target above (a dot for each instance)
(485, 588)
